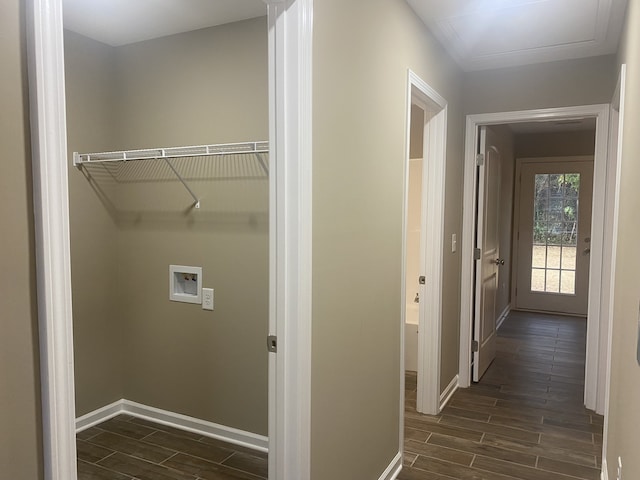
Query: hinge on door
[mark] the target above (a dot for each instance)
(272, 344)
(476, 254)
(474, 346)
(480, 159)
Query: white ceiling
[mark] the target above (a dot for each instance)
(485, 34)
(120, 22)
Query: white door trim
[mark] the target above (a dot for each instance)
(611, 241)
(290, 126)
(434, 166)
(53, 253)
(290, 224)
(601, 114)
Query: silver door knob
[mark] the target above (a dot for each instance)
(586, 251)
(499, 261)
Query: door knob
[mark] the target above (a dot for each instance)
(586, 251)
(499, 261)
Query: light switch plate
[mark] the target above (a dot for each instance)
(207, 298)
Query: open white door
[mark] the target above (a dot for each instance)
(487, 254)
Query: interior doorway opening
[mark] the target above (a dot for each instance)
(569, 131)
(423, 242)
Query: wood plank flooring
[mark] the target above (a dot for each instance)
(525, 420)
(127, 448)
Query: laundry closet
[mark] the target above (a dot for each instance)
(152, 203)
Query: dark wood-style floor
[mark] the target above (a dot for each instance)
(525, 420)
(126, 448)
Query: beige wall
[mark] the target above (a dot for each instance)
(624, 415)
(97, 322)
(556, 144)
(584, 81)
(362, 50)
(208, 86)
(20, 419)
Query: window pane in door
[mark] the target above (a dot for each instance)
(555, 233)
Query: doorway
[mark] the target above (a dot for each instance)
(599, 114)
(289, 136)
(423, 227)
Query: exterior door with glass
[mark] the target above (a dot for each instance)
(554, 234)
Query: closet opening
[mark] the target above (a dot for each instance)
(169, 211)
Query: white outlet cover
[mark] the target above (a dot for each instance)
(207, 298)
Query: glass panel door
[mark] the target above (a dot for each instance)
(555, 233)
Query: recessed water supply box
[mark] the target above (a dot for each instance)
(185, 284)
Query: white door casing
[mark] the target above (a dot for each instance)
(290, 226)
(488, 263)
(595, 355)
(430, 317)
(560, 260)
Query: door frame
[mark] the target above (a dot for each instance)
(433, 190)
(290, 135)
(595, 355)
(515, 249)
(611, 236)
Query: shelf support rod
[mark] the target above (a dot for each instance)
(262, 163)
(193, 195)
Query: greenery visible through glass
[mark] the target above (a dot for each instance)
(555, 233)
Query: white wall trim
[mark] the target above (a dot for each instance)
(99, 415)
(431, 244)
(601, 113)
(393, 470)
(176, 420)
(196, 425)
(604, 474)
(448, 392)
(503, 316)
(51, 208)
(613, 182)
(290, 136)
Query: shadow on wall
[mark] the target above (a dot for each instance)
(146, 194)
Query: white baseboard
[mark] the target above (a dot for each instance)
(98, 416)
(505, 313)
(448, 392)
(604, 475)
(393, 470)
(176, 420)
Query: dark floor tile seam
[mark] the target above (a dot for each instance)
(550, 428)
(227, 458)
(104, 458)
(506, 449)
(244, 471)
(536, 468)
(171, 470)
(169, 458)
(189, 454)
(538, 456)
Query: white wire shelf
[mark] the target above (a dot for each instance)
(171, 152)
(168, 153)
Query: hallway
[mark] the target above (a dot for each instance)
(525, 420)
